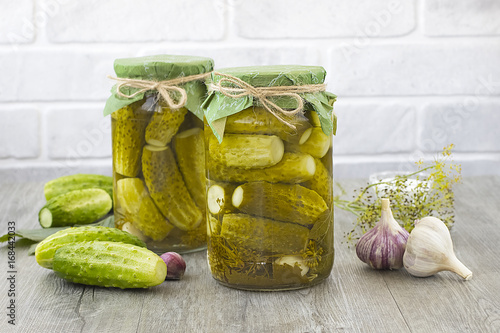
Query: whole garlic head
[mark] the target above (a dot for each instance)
(430, 250)
(384, 245)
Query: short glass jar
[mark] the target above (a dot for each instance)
(269, 174)
(158, 151)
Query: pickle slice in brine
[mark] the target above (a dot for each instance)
(190, 152)
(163, 126)
(140, 210)
(246, 151)
(317, 145)
(167, 188)
(257, 120)
(129, 124)
(219, 196)
(282, 202)
(293, 168)
(321, 183)
(264, 234)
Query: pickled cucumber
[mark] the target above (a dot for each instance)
(140, 209)
(321, 183)
(246, 151)
(219, 197)
(264, 234)
(257, 120)
(129, 125)
(293, 168)
(167, 188)
(163, 126)
(190, 152)
(317, 145)
(282, 202)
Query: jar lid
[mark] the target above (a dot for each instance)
(162, 67)
(277, 75)
(220, 105)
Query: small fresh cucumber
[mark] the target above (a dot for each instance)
(109, 264)
(46, 249)
(75, 207)
(80, 181)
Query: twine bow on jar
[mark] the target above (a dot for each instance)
(165, 88)
(239, 88)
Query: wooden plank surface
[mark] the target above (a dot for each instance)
(354, 299)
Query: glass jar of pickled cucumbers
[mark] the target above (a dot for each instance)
(158, 151)
(269, 177)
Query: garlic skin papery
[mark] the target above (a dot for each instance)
(384, 245)
(430, 250)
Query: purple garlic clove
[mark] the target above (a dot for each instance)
(383, 247)
(176, 266)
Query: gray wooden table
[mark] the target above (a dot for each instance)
(354, 299)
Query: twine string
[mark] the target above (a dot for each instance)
(166, 88)
(234, 87)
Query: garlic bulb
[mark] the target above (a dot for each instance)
(430, 250)
(384, 245)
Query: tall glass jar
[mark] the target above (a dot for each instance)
(269, 177)
(158, 151)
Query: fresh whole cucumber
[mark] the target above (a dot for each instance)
(75, 207)
(80, 181)
(45, 250)
(109, 264)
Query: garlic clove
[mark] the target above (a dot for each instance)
(383, 246)
(176, 266)
(292, 260)
(429, 250)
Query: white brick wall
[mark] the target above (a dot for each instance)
(411, 76)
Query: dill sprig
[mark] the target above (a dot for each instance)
(427, 191)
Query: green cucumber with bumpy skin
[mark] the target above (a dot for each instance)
(317, 145)
(79, 181)
(75, 207)
(190, 151)
(109, 264)
(264, 234)
(246, 151)
(46, 249)
(163, 126)
(140, 210)
(257, 120)
(168, 189)
(321, 183)
(293, 168)
(282, 202)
